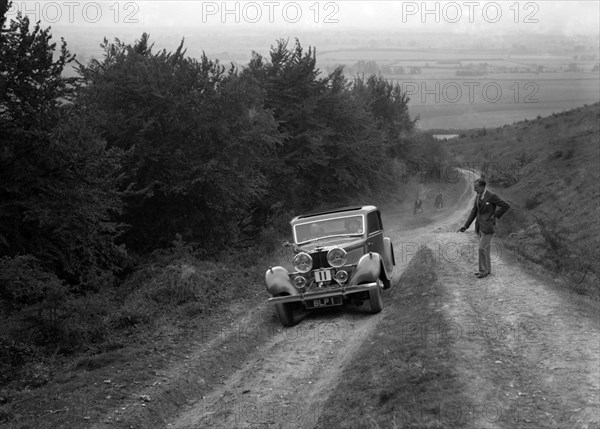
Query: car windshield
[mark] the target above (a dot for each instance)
(339, 226)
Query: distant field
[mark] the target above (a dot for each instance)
(488, 102)
(483, 115)
(502, 89)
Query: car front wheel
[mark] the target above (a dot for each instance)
(285, 314)
(376, 298)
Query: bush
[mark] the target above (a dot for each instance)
(569, 154)
(13, 355)
(556, 238)
(40, 300)
(132, 313)
(161, 290)
(532, 202)
(24, 282)
(42, 313)
(178, 284)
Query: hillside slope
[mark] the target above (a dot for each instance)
(549, 170)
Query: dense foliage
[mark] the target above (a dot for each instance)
(211, 151)
(330, 143)
(58, 202)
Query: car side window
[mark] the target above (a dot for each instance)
(373, 223)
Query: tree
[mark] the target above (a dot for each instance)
(389, 107)
(56, 177)
(194, 136)
(334, 139)
(358, 158)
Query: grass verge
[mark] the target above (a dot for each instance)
(403, 376)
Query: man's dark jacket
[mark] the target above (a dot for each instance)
(485, 214)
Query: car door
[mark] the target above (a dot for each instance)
(374, 233)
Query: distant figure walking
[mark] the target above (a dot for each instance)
(418, 206)
(487, 208)
(439, 201)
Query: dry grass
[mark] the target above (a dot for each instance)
(397, 374)
(119, 335)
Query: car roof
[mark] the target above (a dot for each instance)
(324, 213)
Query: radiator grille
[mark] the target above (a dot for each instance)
(320, 260)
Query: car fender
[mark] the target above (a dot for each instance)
(367, 270)
(279, 283)
(388, 257)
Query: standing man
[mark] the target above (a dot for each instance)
(418, 206)
(439, 201)
(487, 207)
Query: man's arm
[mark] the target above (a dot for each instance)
(502, 206)
(470, 218)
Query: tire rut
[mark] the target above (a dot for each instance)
(286, 383)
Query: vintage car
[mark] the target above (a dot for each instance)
(341, 256)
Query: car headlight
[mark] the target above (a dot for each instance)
(302, 262)
(341, 276)
(337, 257)
(299, 282)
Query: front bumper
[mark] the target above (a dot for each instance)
(308, 296)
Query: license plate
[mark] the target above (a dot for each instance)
(324, 302)
(322, 276)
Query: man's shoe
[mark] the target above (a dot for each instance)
(481, 276)
(477, 273)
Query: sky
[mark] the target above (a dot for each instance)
(465, 17)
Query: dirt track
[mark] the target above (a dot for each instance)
(294, 373)
(527, 351)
